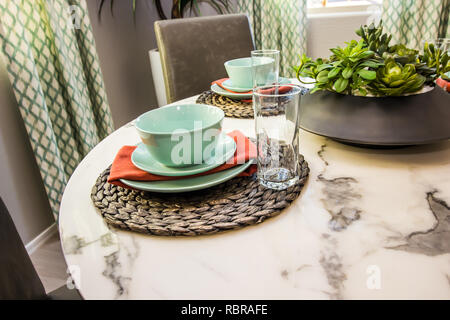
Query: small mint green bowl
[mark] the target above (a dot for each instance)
(180, 135)
(240, 70)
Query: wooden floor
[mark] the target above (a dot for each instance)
(49, 262)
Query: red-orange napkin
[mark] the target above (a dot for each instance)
(281, 90)
(444, 84)
(123, 168)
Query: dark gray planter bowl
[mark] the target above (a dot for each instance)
(378, 121)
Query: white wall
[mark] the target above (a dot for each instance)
(123, 46)
(330, 30)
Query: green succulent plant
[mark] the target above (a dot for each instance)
(372, 66)
(396, 79)
(436, 59)
(402, 54)
(351, 67)
(374, 37)
(348, 70)
(308, 68)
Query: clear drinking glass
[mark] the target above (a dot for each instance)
(277, 110)
(265, 66)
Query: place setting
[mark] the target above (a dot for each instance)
(183, 149)
(234, 94)
(189, 177)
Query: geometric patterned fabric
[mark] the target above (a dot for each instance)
(49, 50)
(278, 25)
(413, 21)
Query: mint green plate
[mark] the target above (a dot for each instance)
(224, 150)
(238, 96)
(229, 85)
(188, 184)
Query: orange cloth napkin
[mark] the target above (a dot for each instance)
(444, 84)
(281, 90)
(123, 168)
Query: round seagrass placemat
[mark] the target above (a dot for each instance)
(235, 204)
(232, 108)
(236, 108)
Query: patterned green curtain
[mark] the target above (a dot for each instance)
(412, 21)
(49, 50)
(278, 24)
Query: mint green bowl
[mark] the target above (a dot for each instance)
(240, 70)
(181, 135)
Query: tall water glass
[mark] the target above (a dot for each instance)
(265, 66)
(277, 110)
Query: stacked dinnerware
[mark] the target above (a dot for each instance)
(183, 149)
(246, 73)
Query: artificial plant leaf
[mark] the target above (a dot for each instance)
(366, 54)
(397, 83)
(370, 64)
(334, 72)
(323, 67)
(335, 51)
(340, 84)
(347, 72)
(322, 76)
(362, 91)
(367, 74)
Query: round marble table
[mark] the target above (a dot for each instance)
(369, 224)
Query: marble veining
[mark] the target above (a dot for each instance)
(119, 265)
(113, 272)
(75, 244)
(113, 253)
(436, 240)
(130, 124)
(340, 194)
(332, 266)
(288, 274)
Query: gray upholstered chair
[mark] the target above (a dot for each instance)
(18, 278)
(193, 51)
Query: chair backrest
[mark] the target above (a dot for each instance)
(18, 278)
(193, 50)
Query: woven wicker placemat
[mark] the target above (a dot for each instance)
(234, 204)
(232, 108)
(236, 108)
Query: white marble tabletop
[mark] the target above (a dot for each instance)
(369, 224)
